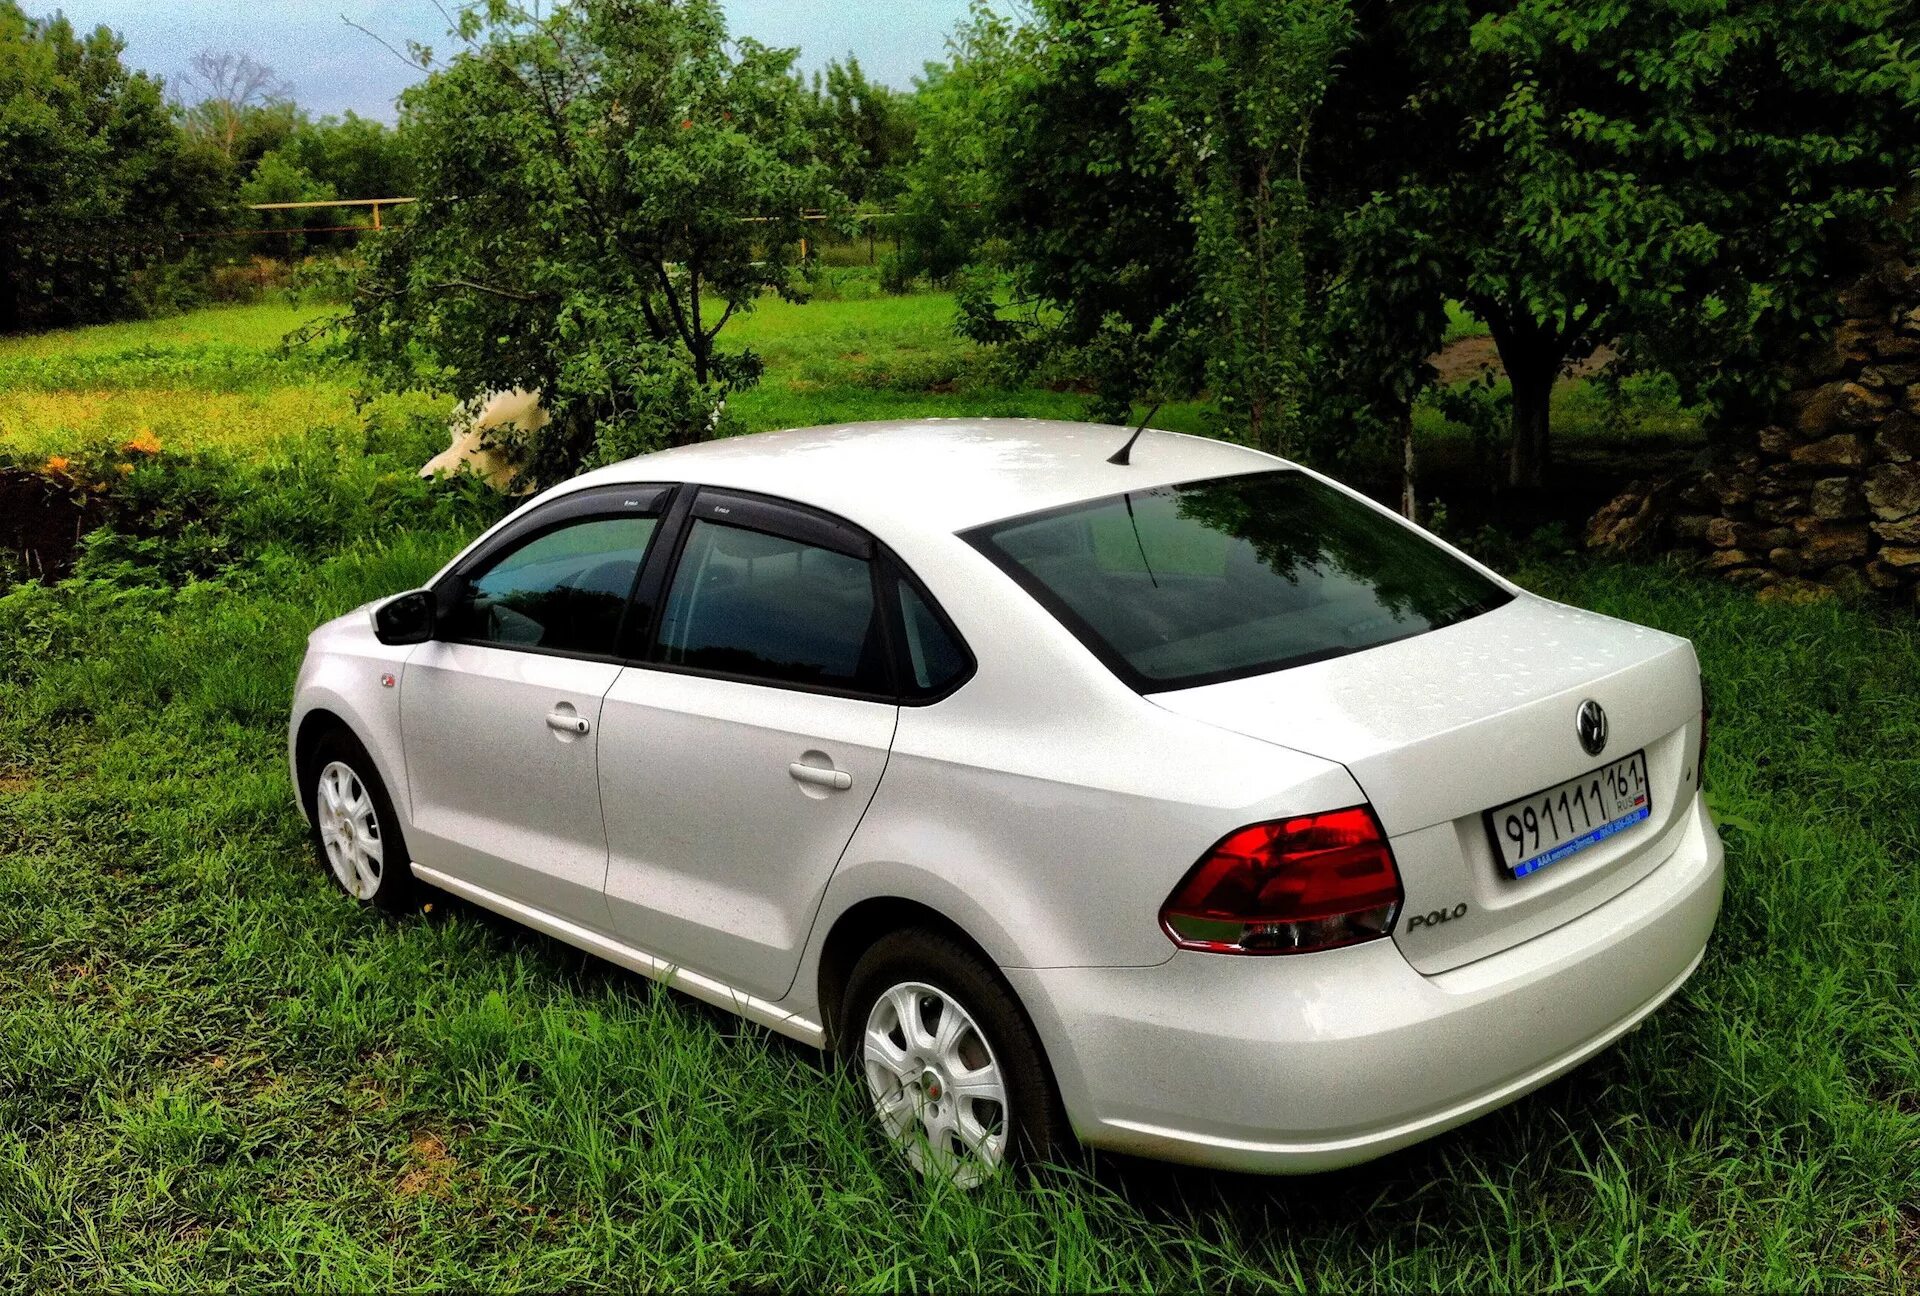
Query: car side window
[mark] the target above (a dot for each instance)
(563, 590)
(934, 658)
(765, 607)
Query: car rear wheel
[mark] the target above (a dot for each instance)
(355, 830)
(955, 1074)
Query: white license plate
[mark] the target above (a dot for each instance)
(1555, 822)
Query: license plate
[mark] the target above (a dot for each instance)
(1556, 822)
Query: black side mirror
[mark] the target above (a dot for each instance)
(405, 618)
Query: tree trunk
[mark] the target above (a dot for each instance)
(1409, 496)
(1531, 355)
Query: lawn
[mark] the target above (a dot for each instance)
(216, 1071)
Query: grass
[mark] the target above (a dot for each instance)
(214, 1071)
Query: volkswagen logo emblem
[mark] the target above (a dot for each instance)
(1590, 722)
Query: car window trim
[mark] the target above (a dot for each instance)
(590, 505)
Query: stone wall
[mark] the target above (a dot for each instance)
(1827, 497)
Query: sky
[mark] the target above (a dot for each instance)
(333, 67)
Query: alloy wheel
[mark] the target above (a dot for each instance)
(350, 830)
(935, 1084)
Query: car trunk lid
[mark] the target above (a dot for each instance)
(1442, 727)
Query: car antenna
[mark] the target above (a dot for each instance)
(1124, 455)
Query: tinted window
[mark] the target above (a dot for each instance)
(748, 603)
(564, 589)
(935, 658)
(1182, 585)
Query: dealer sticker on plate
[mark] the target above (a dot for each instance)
(1556, 822)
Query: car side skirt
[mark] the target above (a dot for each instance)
(701, 987)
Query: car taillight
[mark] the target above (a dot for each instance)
(1289, 887)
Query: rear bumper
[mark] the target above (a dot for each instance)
(1301, 1064)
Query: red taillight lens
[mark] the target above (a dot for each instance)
(1289, 887)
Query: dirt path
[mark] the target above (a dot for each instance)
(1468, 357)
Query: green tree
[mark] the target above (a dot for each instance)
(864, 131)
(945, 184)
(355, 156)
(601, 190)
(94, 176)
(1691, 181)
(1148, 197)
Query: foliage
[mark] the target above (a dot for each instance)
(1143, 180)
(946, 183)
(238, 105)
(354, 156)
(863, 130)
(87, 150)
(602, 190)
(1235, 94)
(1693, 181)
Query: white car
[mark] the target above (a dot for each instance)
(1184, 802)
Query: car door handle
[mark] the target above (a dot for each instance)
(567, 722)
(839, 780)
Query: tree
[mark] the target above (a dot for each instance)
(601, 190)
(223, 91)
(1147, 189)
(864, 131)
(94, 176)
(1690, 181)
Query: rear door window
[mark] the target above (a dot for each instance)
(764, 607)
(1177, 586)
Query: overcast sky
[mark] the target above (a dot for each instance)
(333, 68)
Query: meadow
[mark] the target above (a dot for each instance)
(215, 1071)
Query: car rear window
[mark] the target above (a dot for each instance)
(1176, 586)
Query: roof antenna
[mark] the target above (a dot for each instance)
(1124, 455)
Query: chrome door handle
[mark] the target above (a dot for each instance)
(839, 780)
(566, 722)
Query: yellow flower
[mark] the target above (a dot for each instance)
(57, 464)
(145, 443)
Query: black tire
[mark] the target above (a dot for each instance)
(1037, 1125)
(395, 889)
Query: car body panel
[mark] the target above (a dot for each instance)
(499, 797)
(719, 856)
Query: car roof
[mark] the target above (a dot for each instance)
(944, 474)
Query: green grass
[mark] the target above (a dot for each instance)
(215, 1071)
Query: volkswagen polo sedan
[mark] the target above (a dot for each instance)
(1177, 800)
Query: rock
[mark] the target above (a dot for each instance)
(1793, 589)
(1909, 322)
(1896, 374)
(1725, 558)
(1904, 532)
(1853, 341)
(1824, 548)
(1744, 576)
(1900, 556)
(1691, 526)
(1785, 558)
(1883, 575)
(1864, 297)
(1775, 441)
(1845, 580)
(1836, 497)
(1899, 436)
(1837, 405)
(1779, 510)
(1895, 346)
(1894, 490)
(1723, 533)
(1627, 521)
(1843, 450)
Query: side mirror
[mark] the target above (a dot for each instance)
(405, 618)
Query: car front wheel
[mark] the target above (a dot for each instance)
(955, 1074)
(355, 830)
